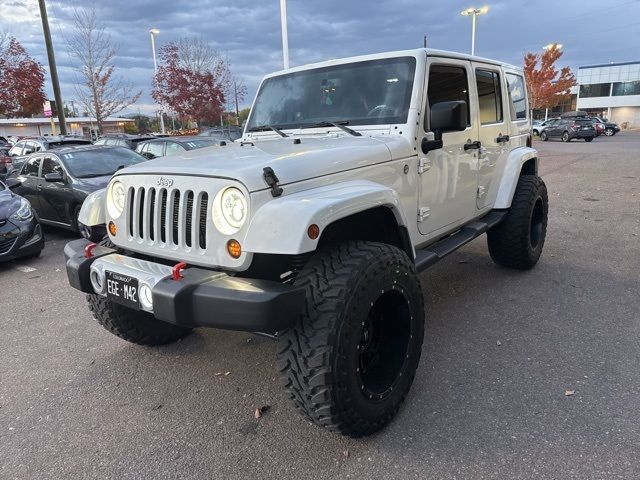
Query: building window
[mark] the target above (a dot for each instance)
(595, 90)
(626, 88)
(518, 96)
(489, 96)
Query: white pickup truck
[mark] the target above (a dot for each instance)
(351, 178)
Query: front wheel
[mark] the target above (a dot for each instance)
(517, 242)
(588, 139)
(543, 136)
(609, 132)
(351, 358)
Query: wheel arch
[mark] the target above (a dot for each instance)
(521, 161)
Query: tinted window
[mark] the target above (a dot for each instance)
(30, 168)
(595, 90)
(517, 96)
(174, 148)
(371, 92)
(447, 83)
(99, 162)
(155, 149)
(489, 96)
(626, 88)
(51, 165)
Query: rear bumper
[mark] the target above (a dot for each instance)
(583, 134)
(202, 298)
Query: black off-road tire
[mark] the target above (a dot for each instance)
(543, 136)
(133, 326)
(350, 360)
(517, 242)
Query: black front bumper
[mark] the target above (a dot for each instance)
(202, 298)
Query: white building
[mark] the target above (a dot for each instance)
(83, 126)
(611, 90)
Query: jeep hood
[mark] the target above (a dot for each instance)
(292, 162)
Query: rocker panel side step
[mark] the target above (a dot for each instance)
(430, 255)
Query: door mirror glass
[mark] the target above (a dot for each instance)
(54, 177)
(449, 116)
(12, 182)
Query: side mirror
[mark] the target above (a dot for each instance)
(54, 177)
(445, 117)
(12, 182)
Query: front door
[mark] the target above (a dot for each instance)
(30, 182)
(54, 196)
(494, 132)
(448, 180)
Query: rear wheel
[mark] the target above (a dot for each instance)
(517, 242)
(543, 136)
(350, 360)
(588, 139)
(565, 137)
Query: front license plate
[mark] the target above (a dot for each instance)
(123, 289)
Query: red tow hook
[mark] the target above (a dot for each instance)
(177, 269)
(88, 250)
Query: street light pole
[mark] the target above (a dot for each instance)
(285, 33)
(474, 12)
(154, 32)
(52, 68)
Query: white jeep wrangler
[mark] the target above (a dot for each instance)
(351, 178)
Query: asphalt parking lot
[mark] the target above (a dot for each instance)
(502, 351)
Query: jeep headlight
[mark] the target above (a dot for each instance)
(229, 210)
(23, 213)
(116, 198)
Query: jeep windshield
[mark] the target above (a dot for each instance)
(374, 92)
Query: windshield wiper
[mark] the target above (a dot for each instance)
(341, 125)
(94, 175)
(264, 128)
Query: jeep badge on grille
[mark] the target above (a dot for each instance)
(165, 182)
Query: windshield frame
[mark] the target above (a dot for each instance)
(415, 63)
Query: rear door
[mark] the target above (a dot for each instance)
(518, 105)
(493, 131)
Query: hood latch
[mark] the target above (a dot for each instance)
(272, 180)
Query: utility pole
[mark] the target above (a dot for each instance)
(52, 67)
(235, 92)
(153, 32)
(285, 33)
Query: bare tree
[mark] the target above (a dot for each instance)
(99, 91)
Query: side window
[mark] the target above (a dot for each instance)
(30, 168)
(17, 149)
(51, 165)
(518, 96)
(174, 148)
(155, 149)
(29, 148)
(142, 147)
(36, 147)
(489, 96)
(447, 83)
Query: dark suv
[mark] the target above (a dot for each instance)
(569, 128)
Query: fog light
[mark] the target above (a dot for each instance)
(146, 297)
(234, 248)
(113, 229)
(96, 281)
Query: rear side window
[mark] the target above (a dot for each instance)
(31, 168)
(174, 148)
(447, 83)
(155, 149)
(489, 96)
(517, 96)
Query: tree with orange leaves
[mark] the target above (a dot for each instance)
(547, 86)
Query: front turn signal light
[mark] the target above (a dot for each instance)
(113, 229)
(234, 248)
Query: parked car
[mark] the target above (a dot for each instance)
(598, 125)
(171, 146)
(122, 140)
(20, 231)
(352, 178)
(5, 160)
(610, 128)
(56, 182)
(569, 128)
(222, 134)
(29, 145)
(538, 129)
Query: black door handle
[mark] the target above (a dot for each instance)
(39, 187)
(472, 145)
(502, 138)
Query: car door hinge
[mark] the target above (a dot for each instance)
(423, 213)
(481, 192)
(423, 165)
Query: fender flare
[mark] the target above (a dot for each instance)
(511, 174)
(92, 210)
(280, 225)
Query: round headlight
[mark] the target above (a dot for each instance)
(116, 199)
(229, 210)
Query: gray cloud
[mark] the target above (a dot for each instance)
(249, 31)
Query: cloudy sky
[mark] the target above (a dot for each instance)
(248, 31)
